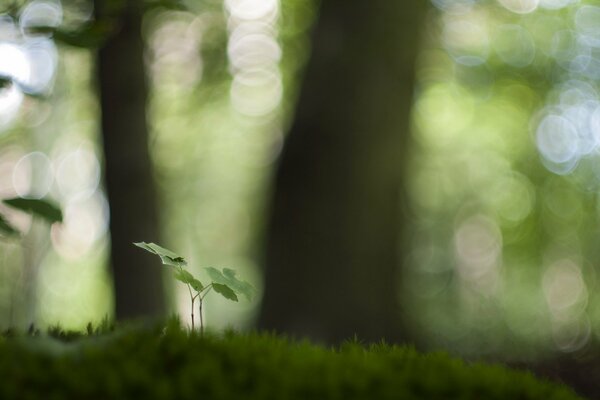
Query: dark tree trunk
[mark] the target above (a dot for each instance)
(123, 90)
(333, 257)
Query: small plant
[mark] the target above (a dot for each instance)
(223, 281)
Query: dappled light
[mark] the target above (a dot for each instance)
(478, 246)
(514, 45)
(254, 56)
(465, 37)
(46, 13)
(567, 297)
(77, 173)
(520, 6)
(174, 45)
(507, 171)
(85, 224)
(15, 63)
(35, 165)
(30, 58)
(217, 98)
(25, 183)
(502, 172)
(10, 103)
(564, 288)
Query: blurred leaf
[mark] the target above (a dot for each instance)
(6, 228)
(167, 256)
(89, 35)
(168, 4)
(37, 207)
(227, 277)
(225, 291)
(5, 81)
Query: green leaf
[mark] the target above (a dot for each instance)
(187, 278)
(227, 277)
(89, 35)
(38, 207)
(197, 285)
(6, 228)
(184, 276)
(239, 285)
(168, 4)
(166, 256)
(225, 291)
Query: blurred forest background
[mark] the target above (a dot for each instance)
(439, 182)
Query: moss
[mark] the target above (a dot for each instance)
(128, 363)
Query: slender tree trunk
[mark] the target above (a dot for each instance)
(333, 254)
(131, 191)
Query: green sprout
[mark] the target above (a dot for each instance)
(223, 281)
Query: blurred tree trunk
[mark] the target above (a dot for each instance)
(131, 191)
(333, 256)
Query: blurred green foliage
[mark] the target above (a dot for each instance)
(212, 160)
(503, 175)
(503, 180)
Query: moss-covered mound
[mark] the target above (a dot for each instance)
(172, 364)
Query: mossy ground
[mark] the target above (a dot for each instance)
(171, 363)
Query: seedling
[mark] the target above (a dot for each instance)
(223, 281)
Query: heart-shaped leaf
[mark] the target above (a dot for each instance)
(38, 207)
(185, 277)
(227, 277)
(225, 291)
(197, 285)
(239, 285)
(166, 256)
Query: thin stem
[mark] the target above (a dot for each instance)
(193, 314)
(188, 286)
(200, 303)
(200, 296)
(201, 320)
(205, 293)
(192, 298)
